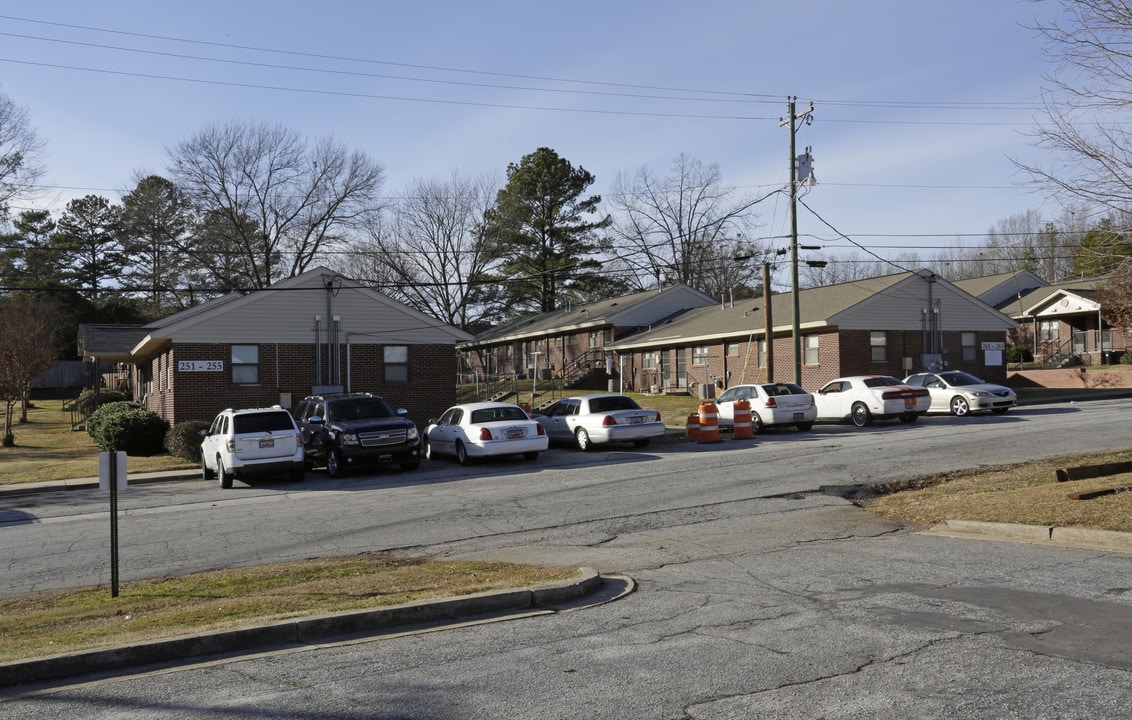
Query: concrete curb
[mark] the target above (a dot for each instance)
(299, 631)
(1083, 538)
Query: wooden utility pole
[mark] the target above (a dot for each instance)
(797, 332)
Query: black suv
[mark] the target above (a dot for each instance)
(351, 429)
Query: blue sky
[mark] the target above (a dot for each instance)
(919, 108)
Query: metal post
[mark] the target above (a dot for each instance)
(113, 524)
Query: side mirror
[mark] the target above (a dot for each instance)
(315, 420)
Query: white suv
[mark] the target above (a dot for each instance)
(257, 441)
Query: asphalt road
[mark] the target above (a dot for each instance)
(761, 592)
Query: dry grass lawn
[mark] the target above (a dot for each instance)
(47, 449)
(61, 622)
(1028, 494)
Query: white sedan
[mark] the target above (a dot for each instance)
(861, 399)
(776, 403)
(961, 393)
(594, 419)
(484, 429)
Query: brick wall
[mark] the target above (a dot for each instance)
(291, 369)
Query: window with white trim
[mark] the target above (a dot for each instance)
(811, 346)
(245, 364)
(700, 355)
(878, 346)
(396, 359)
(970, 342)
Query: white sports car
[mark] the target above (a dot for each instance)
(593, 419)
(961, 393)
(862, 399)
(484, 429)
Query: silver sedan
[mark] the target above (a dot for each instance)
(961, 393)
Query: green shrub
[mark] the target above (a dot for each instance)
(1126, 358)
(130, 428)
(183, 440)
(1019, 354)
(106, 410)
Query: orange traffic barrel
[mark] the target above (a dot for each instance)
(742, 429)
(693, 431)
(709, 422)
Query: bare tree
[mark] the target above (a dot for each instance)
(429, 251)
(1086, 103)
(282, 200)
(686, 227)
(27, 348)
(21, 154)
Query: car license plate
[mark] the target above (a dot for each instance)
(266, 442)
(514, 434)
(799, 416)
(636, 420)
(909, 403)
(385, 458)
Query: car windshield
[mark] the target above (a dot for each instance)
(363, 408)
(881, 381)
(485, 415)
(612, 403)
(960, 378)
(261, 422)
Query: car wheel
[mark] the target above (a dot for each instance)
(643, 442)
(462, 453)
(860, 415)
(908, 418)
(410, 466)
(757, 424)
(960, 406)
(533, 455)
(804, 426)
(298, 472)
(583, 439)
(334, 463)
(225, 474)
(208, 472)
(999, 411)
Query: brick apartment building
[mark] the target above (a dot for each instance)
(573, 341)
(317, 331)
(891, 325)
(1059, 322)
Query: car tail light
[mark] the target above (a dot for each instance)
(892, 394)
(541, 429)
(485, 434)
(608, 421)
(231, 445)
(658, 417)
(771, 403)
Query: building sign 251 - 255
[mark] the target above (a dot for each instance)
(200, 366)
